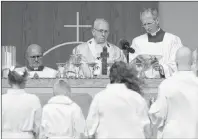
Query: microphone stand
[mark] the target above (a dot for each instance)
(127, 53)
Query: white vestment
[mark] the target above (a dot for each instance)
(19, 114)
(167, 49)
(62, 118)
(45, 73)
(175, 112)
(90, 54)
(117, 112)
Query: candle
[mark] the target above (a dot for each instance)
(3, 57)
(6, 56)
(14, 55)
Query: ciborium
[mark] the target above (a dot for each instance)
(76, 60)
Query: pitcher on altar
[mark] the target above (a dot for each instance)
(91, 50)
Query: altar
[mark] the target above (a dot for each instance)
(83, 90)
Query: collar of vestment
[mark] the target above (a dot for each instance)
(40, 68)
(92, 46)
(158, 37)
(15, 91)
(93, 42)
(116, 86)
(60, 99)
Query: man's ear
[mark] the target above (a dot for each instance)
(93, 32)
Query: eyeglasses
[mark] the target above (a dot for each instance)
(148, 24)
(37, 56)
(102, 31)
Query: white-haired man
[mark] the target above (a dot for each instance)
(156, 42)
(92, 49)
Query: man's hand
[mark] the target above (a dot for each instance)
(156, 66)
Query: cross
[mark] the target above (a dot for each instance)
(77, 26)
(104, 55)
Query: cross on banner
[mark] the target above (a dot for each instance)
(77, 26)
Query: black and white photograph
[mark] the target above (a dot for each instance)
(99, 69)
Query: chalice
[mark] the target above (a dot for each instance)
(92, 67)
(76, 60)
(61, 69)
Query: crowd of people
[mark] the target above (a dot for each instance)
(118, 111)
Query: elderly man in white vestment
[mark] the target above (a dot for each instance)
(35, 67)
(92, 49)
(175, 112)
(156, 42)
(62, 118)
(20, 110)
(119, 111)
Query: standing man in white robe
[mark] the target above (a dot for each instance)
(175, 112)
(119, 111)
(92, 49)
(61, 117)
(156, 42)
(20, 110)
(35, 67)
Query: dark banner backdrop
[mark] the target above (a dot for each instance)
(24, 23)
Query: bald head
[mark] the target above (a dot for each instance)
(184, 58)
(34, 56)
(33, 48)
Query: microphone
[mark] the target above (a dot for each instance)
(125, 45)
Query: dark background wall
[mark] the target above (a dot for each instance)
(24, 23)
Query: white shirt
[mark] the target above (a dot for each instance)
(62, 118)
(167, 49)
(117, 112)
(175, 111)
(19, 113)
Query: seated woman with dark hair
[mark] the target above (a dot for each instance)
(20, 110)
(119, 111)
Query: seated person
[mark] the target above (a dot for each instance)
(61, 117)
(156, 42)
(91, 50)
(35, 67)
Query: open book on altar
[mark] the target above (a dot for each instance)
(144, 65)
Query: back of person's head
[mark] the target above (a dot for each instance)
(62, 87)
(17, 77)
(149, 11)
(184, 59)
(121, 72)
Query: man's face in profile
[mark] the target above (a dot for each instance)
(34, 58)
(101, 32)
(149, 23)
